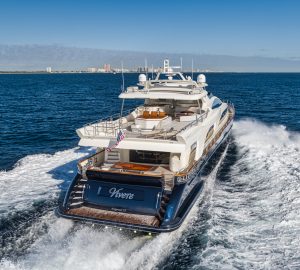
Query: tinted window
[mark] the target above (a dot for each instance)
(149, 157)
(216, 104)
(223, 113)
(210, 132)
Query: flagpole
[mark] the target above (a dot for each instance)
(122, 106)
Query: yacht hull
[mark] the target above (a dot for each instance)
(180, 201)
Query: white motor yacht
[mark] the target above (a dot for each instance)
(146, 171)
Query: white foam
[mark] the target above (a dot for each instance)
(35, 178)
(67, 247)
(89, 248)
(155, 251)
(255, 217)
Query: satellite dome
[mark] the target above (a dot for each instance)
(142, 78)
(201, 78)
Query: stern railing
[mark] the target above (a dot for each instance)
(108, 126)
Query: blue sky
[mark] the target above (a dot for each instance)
(230, 27)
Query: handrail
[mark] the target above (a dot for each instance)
(108, 125)
(112, 127)
(195, 122)
(112, 117)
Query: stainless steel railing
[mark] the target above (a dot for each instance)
(108, 126)
(199, 119)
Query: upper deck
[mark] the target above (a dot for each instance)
(144, 124)
(173, 105)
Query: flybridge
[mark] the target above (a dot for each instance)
(168, 84)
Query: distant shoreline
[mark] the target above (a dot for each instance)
(59, 72)
(135, 72)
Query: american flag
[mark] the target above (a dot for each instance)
(120, 137)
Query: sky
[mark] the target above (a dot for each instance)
(228, 27)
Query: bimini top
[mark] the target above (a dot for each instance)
(168, 84)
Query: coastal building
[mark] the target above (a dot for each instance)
(92, 69)
(142, 70)
(107, 67)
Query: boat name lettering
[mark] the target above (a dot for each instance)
(116, 193)
(190, 176)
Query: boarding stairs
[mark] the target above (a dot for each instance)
(111, 157)
(76, 196)
(164, 202)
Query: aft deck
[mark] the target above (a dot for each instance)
(134, 169)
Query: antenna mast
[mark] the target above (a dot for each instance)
(123, 81)
(181, 64)
(152, 71)
(192, 69)
(123, 89)
(146, 68)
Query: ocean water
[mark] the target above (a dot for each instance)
(247, 218)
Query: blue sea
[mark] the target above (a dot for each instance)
(247, 218)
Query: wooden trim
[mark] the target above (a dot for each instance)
(127, 218)
(119, 171)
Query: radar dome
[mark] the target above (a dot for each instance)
(201, 78)
(142, 78)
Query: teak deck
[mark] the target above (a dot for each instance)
(114, 216)
(132, 166)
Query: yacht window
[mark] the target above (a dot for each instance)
(210, 95)
(140, 156)
(166, 77)
(210, 132)
(153, 102)
(191, 102)
(224, 113)
(216, 104)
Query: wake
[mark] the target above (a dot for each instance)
(255, 209)
(249, 218)
(37, 178)
(63, 244)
